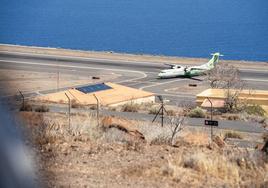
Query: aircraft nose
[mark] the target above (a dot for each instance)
(160, 75)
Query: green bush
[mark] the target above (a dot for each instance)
(42, 108)
(254, 110)
(197, 113)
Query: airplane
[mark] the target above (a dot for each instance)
(189, 72)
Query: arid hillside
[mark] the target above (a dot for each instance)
(122, 153)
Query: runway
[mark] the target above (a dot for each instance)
(140, 75)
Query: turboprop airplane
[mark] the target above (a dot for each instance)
(180, 71)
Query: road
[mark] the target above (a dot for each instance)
(140, 75)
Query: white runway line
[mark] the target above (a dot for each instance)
(78, 58)
(81, 67)
(162, 83)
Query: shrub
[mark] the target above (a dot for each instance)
(254, 110)
(171, 113)
(232, 134)
(233, 117)
(130, 107)
(42, 108)
(112, 108)
(153, 110)
(26, 107)
(197, 113)
(75, 104)
(161, 139)
(93, 107)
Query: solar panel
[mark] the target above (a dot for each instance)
(93, 88)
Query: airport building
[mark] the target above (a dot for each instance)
(218, 96)
(108, 94)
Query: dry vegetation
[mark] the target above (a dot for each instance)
(123, 153)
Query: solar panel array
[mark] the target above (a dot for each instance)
(93, 88)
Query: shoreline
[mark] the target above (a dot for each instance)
(124, 56)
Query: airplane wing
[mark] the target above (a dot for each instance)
(172, 66)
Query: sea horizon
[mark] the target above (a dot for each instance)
(239, 30)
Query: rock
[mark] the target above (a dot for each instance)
(123, 125)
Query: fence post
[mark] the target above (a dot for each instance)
(98, 108)
(211, 129)
(23, 103)
(69, 111)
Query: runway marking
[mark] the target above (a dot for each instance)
(81, 67)
(178, 96)
(157, 84)
(81, 58)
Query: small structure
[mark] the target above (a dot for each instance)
(109, 94)
(216, 103)
(259, 97)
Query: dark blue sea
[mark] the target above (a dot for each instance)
(189, 28)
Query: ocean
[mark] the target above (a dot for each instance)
(188, 28)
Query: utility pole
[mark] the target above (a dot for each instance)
(98, 108)
(69, 111)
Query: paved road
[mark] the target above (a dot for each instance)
(140, 75)
(196, 122)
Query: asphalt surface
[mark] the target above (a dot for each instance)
(140, 75)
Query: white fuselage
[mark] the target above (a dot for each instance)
(178, 71)
(172, 73)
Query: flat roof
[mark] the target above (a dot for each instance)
(115, 94)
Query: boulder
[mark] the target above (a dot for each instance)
(123, 125)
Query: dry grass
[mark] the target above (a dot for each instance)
(232, 134)
(204, 165)
(26, 107)
(153, 110)
(130, 107)
(133, 163)
(41, 108)
(171, 112)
